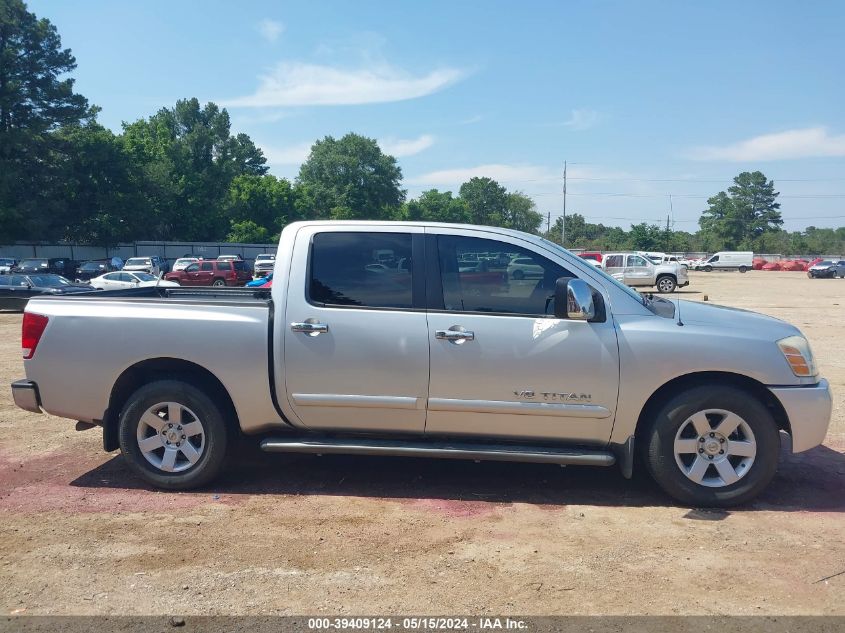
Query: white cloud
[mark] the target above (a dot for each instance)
(582, 119)
(270, 30)
(472, 120)
(302, 84)
(287, 155)
(499, 172)
(399, 147)
(811, 142)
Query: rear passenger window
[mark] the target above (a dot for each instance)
(224, 266)
(361, 269)
(206, 266)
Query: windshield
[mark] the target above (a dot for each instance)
(49, 281)
(265, 258)
(630, 291)
(137, 261)
(92, 266)
(826, 262)
(145, 276)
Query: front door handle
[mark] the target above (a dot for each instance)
(310, 327)
(458, 335)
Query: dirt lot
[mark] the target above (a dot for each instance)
(302, 534)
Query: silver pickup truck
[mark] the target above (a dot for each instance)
(377, 339)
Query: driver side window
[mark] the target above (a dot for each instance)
(480, 275)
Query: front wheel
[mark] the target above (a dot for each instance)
(173, 435)
(665, 284)
(714, 446)
(708, 269)
(518, 275)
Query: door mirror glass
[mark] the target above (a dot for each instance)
(574, 300)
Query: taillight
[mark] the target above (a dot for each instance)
(33, 328)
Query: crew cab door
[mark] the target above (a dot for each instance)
(638, 271)
(501, 364)
(355, 335)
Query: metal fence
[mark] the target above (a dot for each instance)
(169, 250)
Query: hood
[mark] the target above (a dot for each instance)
(821, 266)
(696, 313)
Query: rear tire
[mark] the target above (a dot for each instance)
(173, 435)
(743, 269)
(665, 284)
(217, 283)
(518, 275)
(688, 456)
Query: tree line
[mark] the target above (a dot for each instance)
(184, 174)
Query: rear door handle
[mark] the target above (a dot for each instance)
(456, 336)
(310, 328)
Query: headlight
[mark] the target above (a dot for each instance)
(798, 354)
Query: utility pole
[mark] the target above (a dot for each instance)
(563, 224)
(549, 223)
(668, 233)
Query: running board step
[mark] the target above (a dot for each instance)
(452, 450)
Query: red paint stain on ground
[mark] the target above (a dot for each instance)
(67, 483)
(456, 508)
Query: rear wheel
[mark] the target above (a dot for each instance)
(218, 283)
(743, 269)
(665, 284)
(173, 435)
(713, 446)
(518, 274)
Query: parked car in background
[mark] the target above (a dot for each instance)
(663, 258)
(97, 267)
(162, 263)
(260, 282)
(123, 279)
(827, 268)
(183, 262)
(16, 289)
(229, 258)
(635, 269)
(728, 260)
(264, 264)
(6, 264)
(151, 264)
(591, 255)
(212, 273)
(524, 268)
(62, 266)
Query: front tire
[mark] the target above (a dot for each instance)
(518, 275)
(708, 269)
(665, 284)
(173, 435)
(712, 446)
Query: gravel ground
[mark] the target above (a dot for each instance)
(353, 535)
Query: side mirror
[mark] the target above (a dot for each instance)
(574, 299)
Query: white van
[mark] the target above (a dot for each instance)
(727, 260)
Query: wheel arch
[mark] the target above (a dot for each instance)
(710, 378)
(153, 369)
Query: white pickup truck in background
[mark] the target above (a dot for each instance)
(418, 354)
(638, 270)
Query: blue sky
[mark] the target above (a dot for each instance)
(643, 99)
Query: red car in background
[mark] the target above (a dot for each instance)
(212, 273)
(594, 255)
